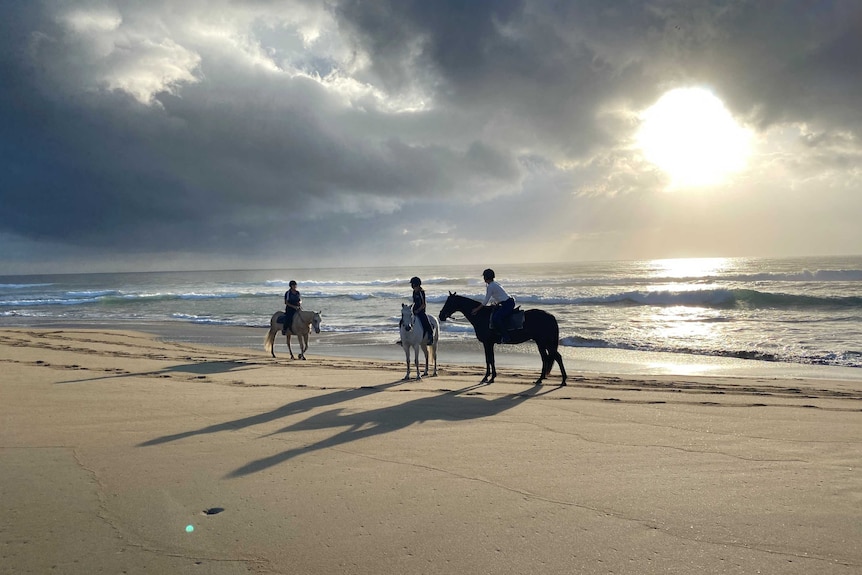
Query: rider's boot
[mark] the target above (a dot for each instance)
(503, 332)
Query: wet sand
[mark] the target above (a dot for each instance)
(124, 453)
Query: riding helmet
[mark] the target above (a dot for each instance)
(415, 281)
(488, 274)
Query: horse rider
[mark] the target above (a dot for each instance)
(504, 304)
(419, 307)
(292, 302)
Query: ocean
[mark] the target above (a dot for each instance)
(649, 316)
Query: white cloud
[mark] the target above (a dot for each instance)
(97, 48)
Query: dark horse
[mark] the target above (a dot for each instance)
(540, 326)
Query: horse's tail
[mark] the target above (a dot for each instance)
(435, 327)
(554, 350)
(554, 344)
(269, 341)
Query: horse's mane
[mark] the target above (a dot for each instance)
(463, 297)
(467, 304)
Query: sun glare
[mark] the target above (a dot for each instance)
(689, 267)
(691, 136)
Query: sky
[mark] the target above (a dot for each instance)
(229, 134)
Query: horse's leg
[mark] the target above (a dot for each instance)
(490, 367)
(550, 355)
(289, 349)
(425, 351)
(546, 359)
(493, 363)
(559, 359)
(406, 358)
(434, 351)
(487, 365)
(303, 345)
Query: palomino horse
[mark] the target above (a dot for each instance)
(301, 321)
(413, 336)
(540, 326)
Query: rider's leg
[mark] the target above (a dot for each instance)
(501, 314)
(507, 308)
(496, 323)
(288, 320)
(426, 324)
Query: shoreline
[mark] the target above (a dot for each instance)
(467, 353)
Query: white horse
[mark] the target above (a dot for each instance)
(414, 336)
(301, 321)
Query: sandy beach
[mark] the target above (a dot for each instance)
(121, 453)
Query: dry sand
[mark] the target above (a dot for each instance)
(113, 445)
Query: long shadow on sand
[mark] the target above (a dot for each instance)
(283, 411)
(200, 368)
(450, 406)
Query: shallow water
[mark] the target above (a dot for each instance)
(802, 312)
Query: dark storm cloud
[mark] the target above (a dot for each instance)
(777, 61)
(233, 153)
(552, 66)
(233, 129)
(492, 58)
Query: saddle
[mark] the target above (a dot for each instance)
(514, 321)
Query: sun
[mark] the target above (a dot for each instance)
(691, 136)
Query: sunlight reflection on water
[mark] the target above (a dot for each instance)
(690, 267)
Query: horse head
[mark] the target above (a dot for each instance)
(407, 317)
(448, 308)
(315, 322)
